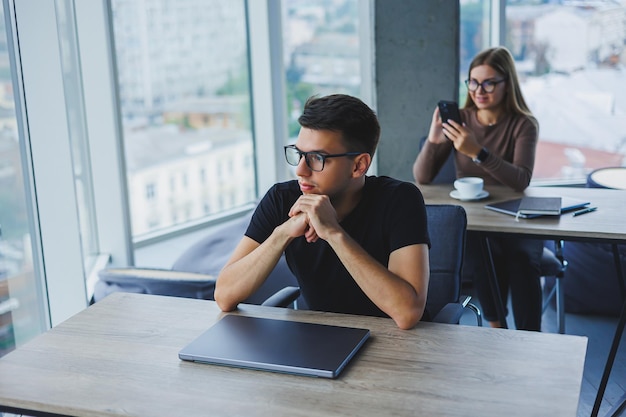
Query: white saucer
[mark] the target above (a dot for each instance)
(480, 196)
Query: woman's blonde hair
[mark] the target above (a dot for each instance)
(500, 59)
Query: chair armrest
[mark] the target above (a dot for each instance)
(124, 275)
(283, 297)
(154, 281)
(450, 313)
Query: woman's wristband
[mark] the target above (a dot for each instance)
(482, 156)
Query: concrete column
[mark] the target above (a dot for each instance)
(417, 64)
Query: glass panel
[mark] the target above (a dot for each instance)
(474, 32)
(185, 102)
(474, 29)
(77, 128)
(21, 310)
(570, 56)
(321, 50)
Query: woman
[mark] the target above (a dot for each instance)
(497, 141)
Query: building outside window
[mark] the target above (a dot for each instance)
(321, 49)
(570, 57)
(185, 102)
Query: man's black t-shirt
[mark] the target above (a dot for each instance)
(390, 215)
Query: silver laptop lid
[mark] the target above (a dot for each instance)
(277, 345)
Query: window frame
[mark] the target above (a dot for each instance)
(53, 202)
(57, 251)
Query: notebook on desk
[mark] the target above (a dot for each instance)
(277, 345)
(547, 206)
(511, 207)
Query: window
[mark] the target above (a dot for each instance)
(22, 314)
(79, 138)
(150, 191)
(570, 58)
(475, 32)
(321, 47)
(185, 101)
(172, 184)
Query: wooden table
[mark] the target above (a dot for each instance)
(119, 357)
(606, 225)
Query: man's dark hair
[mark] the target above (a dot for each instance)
(347, 115)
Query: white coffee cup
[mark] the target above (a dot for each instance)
(469, 187)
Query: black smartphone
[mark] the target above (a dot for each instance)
(449, 110)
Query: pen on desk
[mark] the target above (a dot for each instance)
(583, 211)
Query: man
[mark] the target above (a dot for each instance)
(357, 244)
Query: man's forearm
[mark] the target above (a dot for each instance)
(393, 294)
(247, 270)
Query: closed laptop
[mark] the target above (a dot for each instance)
(277, 345)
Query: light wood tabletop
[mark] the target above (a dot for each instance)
(606, 223)
(119, 357)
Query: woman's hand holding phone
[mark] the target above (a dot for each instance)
(444, 112)
(450, 118)
(448, 125)
(449, 110)
(435, 134)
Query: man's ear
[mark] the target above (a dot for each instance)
(362, 163)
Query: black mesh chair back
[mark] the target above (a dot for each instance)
(447, 225)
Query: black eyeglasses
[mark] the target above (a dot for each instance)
(488, 86)
(314, 160)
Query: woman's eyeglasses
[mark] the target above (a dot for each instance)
(314, 160)
(488, 86)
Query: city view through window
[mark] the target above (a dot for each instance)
(185, 102)
(321, 49)
(570, 57)
(184, 89)
(185, 99)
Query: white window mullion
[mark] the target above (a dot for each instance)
(268, 90)
(497, 23)
(104, 127)
(46, 121)
(368, 61)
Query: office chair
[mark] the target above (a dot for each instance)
(552, 263)
(596, 257)
(585, 293)
(194, 273)
(447, 225)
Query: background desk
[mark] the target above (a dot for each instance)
(606, 224)
(119, 357)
